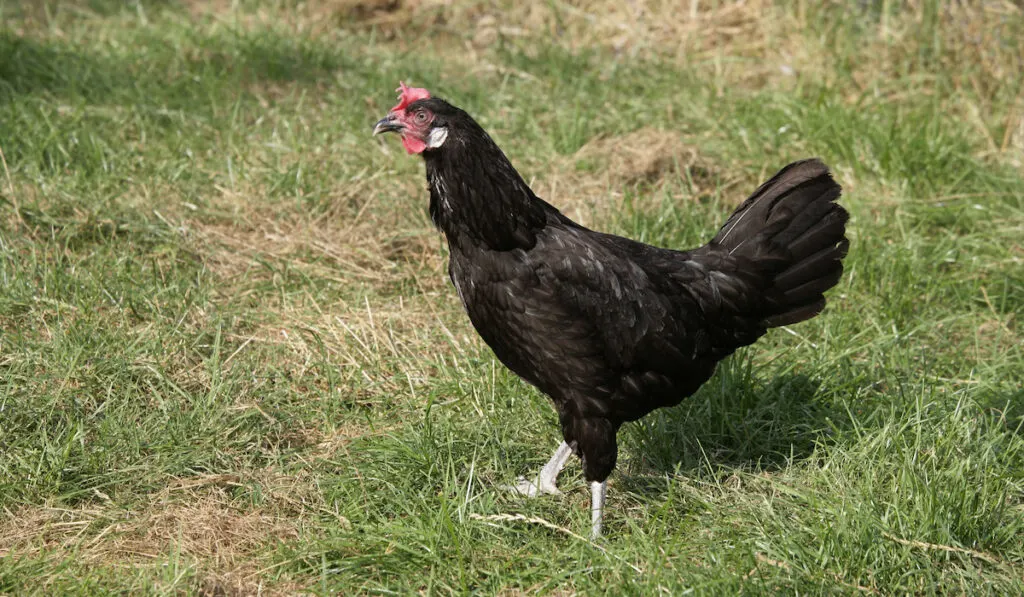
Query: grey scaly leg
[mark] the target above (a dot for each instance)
(597, 493)
(546, 479)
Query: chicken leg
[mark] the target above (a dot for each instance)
(598, 489)
(548, 474)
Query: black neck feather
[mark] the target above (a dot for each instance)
(477, 197)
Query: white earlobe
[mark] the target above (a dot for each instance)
(437, 137)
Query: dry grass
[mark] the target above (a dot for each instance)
(374, 342)
(589, 184)
(695, 32)
(194, 519)
(365, 252)
(355, 238)
(750, 44)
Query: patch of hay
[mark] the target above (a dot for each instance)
(193, 518)
(589, 184)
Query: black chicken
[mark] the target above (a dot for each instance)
(608, 327)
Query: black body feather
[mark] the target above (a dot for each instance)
(608, 327)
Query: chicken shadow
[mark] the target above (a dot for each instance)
(737, 420)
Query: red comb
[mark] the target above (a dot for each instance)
(408, 95)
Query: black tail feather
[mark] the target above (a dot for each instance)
(793, 228)
(822, 234)
(811, 267)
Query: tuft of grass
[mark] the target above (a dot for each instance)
(230, 362)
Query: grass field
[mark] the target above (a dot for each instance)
(231, 362)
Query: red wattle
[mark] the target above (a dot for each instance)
(413, 145)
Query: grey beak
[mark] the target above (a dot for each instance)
(387, 124)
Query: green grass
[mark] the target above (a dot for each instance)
(230, 361)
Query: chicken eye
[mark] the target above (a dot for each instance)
(420, 117)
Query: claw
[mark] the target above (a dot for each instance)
(528, 488)
(545, 482)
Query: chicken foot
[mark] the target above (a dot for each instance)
(545, 482)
